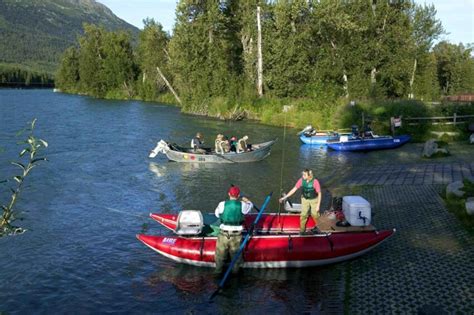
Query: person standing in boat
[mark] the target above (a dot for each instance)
(310, 198)
(231, 214)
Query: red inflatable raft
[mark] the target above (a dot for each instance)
(269, 250)
(272, 251)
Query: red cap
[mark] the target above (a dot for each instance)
(234, 191)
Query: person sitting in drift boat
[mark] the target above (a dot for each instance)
(233, 144)
(310, 198)
(242, 145)
(225, 144)
(231, 213)
(218, 144)
(196, 144)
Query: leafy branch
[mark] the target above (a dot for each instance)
(32, 147)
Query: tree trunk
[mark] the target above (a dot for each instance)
(412, 80)
(259, 53)
(373, 73)
(169, 85)
(346, 83)
(127, 89)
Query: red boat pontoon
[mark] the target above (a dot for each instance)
(271, 251)
(283, 250)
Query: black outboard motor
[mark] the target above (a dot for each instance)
(308, 131)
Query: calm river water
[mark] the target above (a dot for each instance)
(84, 206)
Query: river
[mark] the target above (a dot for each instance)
(84, 206)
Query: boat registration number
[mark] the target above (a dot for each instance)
(169, 240)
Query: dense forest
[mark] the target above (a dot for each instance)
(315, 55)
(11, 76)
(34, 35)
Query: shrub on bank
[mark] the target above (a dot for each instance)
(457, 206)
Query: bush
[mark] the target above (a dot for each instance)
(458, 206)
(32, 147)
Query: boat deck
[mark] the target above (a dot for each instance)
(326, 224)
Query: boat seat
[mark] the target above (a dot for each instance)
(190, 222)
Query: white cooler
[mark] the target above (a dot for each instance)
(356, 210)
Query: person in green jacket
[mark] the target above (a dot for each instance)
(231, 214)
(310, 198)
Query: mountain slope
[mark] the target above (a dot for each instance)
(34, 33)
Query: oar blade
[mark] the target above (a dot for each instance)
(213, 295)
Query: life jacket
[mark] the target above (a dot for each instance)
(308, 190)
(218, 146)
(241, 145)
(232, 214)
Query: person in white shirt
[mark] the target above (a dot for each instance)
(231, 213)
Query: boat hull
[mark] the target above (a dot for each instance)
(321, 140)
(260, 152)
(271, 251)
(379, 143)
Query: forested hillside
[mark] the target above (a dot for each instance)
(35, 33)
(316, 56)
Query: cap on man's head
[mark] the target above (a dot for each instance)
(245, 137)
(234, 191)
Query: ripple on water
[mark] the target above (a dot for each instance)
(84, 207)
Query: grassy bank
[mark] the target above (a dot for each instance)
(325, 113)
(330, 114)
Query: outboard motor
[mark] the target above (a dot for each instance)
(161, 146)
(190, 222)
(306, 130)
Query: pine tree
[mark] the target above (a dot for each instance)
(152, 53)
(289, 50)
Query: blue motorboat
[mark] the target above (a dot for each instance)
(372, 142)
(319, 138)
(309, 135)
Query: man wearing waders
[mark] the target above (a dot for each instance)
(310, 198)
(231, 213)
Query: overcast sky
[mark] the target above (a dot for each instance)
(457, 16)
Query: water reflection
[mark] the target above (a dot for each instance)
(184, 279)
(264, 289)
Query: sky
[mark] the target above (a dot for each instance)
(457, 16)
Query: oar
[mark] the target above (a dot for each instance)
(242, 246)
(224, 158)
